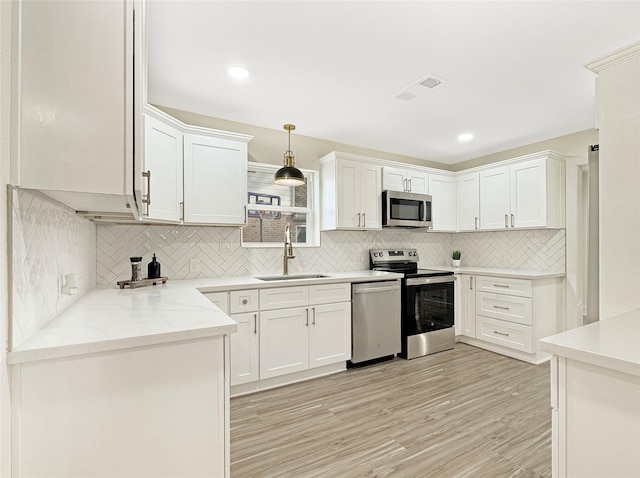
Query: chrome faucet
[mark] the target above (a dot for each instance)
(288, 248)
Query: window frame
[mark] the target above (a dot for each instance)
(312, 210)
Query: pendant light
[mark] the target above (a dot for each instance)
(289, 175)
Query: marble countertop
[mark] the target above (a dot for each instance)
(110, 318)
(513, 273)
(612, 343)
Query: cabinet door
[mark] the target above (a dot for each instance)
(245, 349)
(348, 192)
(75, 110)
(393, 179)
(163, 163)
(469, 202)
(330, 334)
(494, 198)
(215, 180)
(284, 341)
(468, 305)
(370, 196)
(418, 182)
(443, 195)
(529, 194)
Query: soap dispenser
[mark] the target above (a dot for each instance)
(153, 269)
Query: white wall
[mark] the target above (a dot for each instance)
(618, 118)
(5, 100)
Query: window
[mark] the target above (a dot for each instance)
(271, 207)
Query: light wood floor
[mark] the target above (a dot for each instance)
(460, 413)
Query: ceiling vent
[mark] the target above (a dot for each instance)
(417, 87)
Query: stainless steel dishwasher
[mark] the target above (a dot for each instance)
(375, 321)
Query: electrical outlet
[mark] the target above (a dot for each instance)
(194, 265)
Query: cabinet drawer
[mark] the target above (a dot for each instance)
(220, 299)
(504, 307)
(508, 334)
(284, 297)
(244, 301)
(329, 293)
(502, 285)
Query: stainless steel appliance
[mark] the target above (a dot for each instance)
(375, 321)
(427, 318)
(407, 210)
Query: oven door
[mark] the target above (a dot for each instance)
(429, 304)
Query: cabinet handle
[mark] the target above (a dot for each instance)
(313, 309)
(307, 311)
(476, 223)
(506, 220)
(501, 285)
(409, 182)
(500, 333)
(255, 324)
(246, 215)
(245, 301)
(359, 220)
(500, 307)
(364, 219)
(404, 185)
(471, 282)
(182, 211)
(146, 199)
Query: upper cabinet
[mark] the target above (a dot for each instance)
(75, 85)
(192, 175)
(351, 194)
(469, 202)
(405, 180)
(525, 194)
(443, 189)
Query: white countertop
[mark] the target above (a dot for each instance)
(112, 318)
(612, 343)
(486, 271)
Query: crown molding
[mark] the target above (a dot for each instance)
(614, 58)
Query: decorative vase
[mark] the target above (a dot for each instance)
(456, 263)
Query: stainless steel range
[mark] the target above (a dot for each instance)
(427, 318)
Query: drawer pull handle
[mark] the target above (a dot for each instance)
(245, 301)
(501, 285)
(500, 307)
(500, 333)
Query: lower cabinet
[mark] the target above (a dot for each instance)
(286, 330)
(510, 315)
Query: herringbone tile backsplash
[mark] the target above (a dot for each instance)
(48, 240)
(220, 254)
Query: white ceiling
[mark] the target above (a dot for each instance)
(514, 70)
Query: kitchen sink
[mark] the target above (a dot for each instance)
(292, 277)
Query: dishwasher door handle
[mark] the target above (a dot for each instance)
(366, 290)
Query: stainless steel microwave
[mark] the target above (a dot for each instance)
(406, 209)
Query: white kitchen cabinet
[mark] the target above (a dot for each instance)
(157, 410)
(215, 180)
(525, 194)
(510, 315)
(220, 299)
(351, 193)
(162, 170)
(469, 202)
(315, 332)
(405, 180)
(443, 189)
(245, 349)
(75, 88)
(467, 305)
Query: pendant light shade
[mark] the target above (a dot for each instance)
(289, 175)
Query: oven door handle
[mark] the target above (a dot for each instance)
(430, 280)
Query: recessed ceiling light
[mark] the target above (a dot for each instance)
(238, 72)
(465, 137)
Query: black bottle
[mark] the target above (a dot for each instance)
(153, 269)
